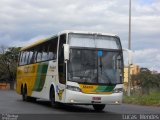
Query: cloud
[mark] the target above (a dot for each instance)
(24, 20)
(28, 42)
(148, 58)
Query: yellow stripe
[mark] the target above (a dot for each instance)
(39, 42)
(98, 92)
(26, 75)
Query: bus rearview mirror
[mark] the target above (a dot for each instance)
(66, 51)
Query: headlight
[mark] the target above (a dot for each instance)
(73, 88)
(118, 90)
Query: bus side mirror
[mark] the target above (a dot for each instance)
(66, 51)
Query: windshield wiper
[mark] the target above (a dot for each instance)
(103, 72)
(101, 66)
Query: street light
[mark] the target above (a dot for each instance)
(129, 47)
(129, 36)
(130, 62)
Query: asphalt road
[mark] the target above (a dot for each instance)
(11, 102)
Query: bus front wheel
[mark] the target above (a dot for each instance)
(98, 107)
(52, 97)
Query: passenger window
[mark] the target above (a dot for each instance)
(26, 57)
(39, 54)
(23, 57)
(52, 50)
(31, 51)
(20, 59)
(45, 52)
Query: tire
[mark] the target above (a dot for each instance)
(98, 107)
(52, 97)
(24, 94)
(31, 99)
(25, 97)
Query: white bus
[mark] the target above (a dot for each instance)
(73, 67)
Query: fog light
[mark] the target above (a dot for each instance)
(72, 101)
(116, 102)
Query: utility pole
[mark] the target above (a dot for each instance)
(129, 47)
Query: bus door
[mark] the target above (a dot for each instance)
(60, 88)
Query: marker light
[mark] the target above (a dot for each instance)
(118, 90)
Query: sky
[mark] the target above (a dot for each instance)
(25, 21)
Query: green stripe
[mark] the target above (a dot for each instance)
(41, 76)
(104, 88)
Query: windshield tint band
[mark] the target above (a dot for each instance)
(94, 41)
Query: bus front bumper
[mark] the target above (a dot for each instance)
(74, 97)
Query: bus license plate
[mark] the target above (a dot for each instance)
(96, 98)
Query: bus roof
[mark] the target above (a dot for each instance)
(86, 32)
(63, 32)
(36, 43)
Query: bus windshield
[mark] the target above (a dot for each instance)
(95, 66)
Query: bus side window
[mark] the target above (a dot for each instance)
(23, 57)
(52, 50)
(61, 64)
(31, 51)
(26, 57)
(39, 53)
(45, 52)
(20, 59)
(34, 57)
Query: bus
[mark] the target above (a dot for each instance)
(72, 67)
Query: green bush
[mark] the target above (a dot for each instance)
(152, 99)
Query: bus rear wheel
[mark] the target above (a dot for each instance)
(31, 99)
(98, 107)
(24, 94)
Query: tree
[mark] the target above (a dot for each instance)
(8, 64)
(147, 80)
(135, 82)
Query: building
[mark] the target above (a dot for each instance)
(134, 70)
(4, 86)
